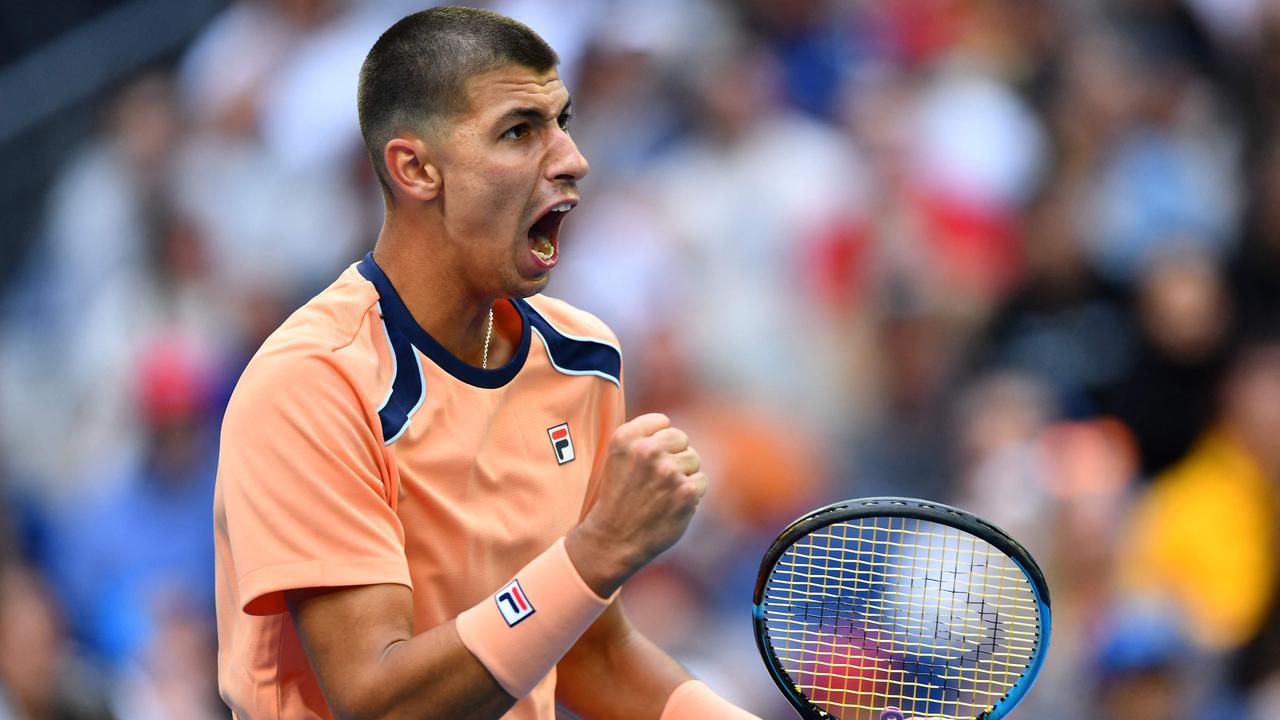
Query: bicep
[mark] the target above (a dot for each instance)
(615, 671)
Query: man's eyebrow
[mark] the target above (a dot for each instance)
(532, 114)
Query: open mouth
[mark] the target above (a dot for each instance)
(544, 234)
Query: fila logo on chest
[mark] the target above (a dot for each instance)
(561, 442)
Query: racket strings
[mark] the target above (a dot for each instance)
(876, 612)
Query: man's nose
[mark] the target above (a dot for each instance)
(567, 162)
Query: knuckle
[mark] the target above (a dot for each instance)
(688, 462)
(621, 439)
(674, 440)
(690, 494)
(647, 449)
(663, 438)
(668, 467)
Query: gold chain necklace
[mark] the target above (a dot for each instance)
(488, 335)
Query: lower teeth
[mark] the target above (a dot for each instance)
(544, 249)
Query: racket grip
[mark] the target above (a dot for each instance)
(892, 713)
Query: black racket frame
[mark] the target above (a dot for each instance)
(903, 507)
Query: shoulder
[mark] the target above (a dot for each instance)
(331, 340)
(577, 342)
(572, 321)
(332, 319)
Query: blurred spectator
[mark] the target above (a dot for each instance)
(1165, 181)
(1203, 534)
(1257, 667)
(1263, 71)
(1255, 271)
(812, 49)
(268, 171)
(1065, 324)
(1005, 472)
(259, 35)
(86, 299)
(1255, 670)
(178, 675)
(979, 150)
(39, 677)
(748, 316)
(134, 550)
(1140, 665)
(906, 449)
(1184, 319)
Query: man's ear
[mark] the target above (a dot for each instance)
(410, 168)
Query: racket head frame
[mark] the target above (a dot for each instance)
(912, 508)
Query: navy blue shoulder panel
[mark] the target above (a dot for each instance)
(408, 389)
(573, 355)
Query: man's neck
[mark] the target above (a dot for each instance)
(432, 288)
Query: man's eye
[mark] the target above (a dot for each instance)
(516, 133)
(564, 121)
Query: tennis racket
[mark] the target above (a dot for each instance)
(890, 608)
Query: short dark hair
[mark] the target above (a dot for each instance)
(416, 73)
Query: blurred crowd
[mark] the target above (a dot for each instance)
(1022, 256)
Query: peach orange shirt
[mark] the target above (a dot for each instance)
(357, 450)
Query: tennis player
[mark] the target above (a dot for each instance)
(427, 497)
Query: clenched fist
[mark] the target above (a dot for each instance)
(652, 482)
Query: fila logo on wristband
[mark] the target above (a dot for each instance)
(513, 603)
(561, 442)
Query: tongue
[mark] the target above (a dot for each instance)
(541, 245)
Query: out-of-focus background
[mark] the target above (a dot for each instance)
(1018, 255)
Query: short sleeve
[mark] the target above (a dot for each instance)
(302, 484)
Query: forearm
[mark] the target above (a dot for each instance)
(657, 689)
(616, 672)
(638, 675)
(397, 675)
(433, 674)
(370, 665)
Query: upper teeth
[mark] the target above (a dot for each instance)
(562, 207)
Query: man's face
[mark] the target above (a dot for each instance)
(509, 175)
